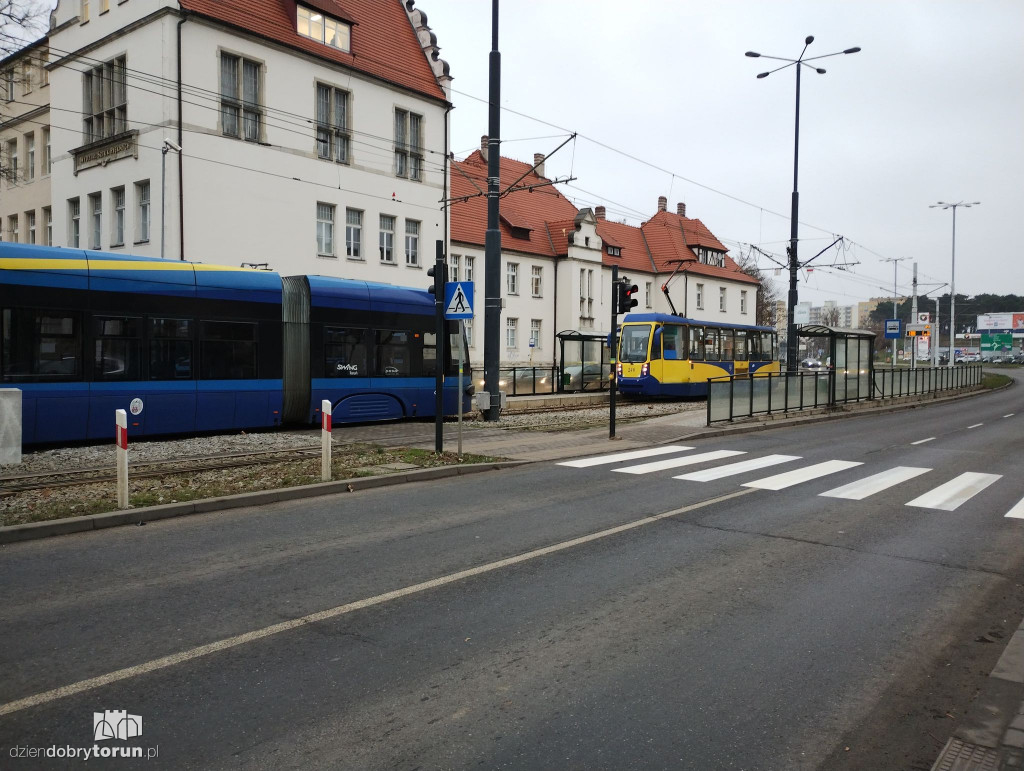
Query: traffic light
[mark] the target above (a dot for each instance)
(440, 279)
(623, 296)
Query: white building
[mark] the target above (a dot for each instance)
(303, 145)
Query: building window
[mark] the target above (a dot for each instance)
(408, 144)
(332, 138)
(412, 243)
(721, 299)
(510, 332)
(469, 267)
(700, 297)
(47, 226)
(512, 278)
(353, 234)
(12, 161)
(535, 333)
(743, 301)
(711, 257)
(324, 29)
(453, 267)
(240, 108)
(468, 325)
(83, 15)
(387, 238)
(536, 280)
(30, 156)
(325, 229)
(96, 217)
(614, 251)
(74, 222)
(105, 100)
(647, 294)
(47, 155)
(12, 229)
(142, 216)
(117, 234)
(30, 222)
(9, 84)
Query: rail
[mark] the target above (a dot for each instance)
(743, 396)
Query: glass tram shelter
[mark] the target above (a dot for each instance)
(849, 357)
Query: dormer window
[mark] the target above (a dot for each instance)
(711, 257)
(324, 29)
(614, 251)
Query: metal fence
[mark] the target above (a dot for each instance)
(573, 377)
(744, 396)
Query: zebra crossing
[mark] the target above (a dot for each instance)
(947, 496)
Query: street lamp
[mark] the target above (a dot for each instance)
(167, 145)
(952, 275)
(794, 264)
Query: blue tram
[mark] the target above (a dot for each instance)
(665, 355)
(188, 347)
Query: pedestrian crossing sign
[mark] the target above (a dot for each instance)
(458, 300)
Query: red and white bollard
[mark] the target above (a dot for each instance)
(121, 422)
(325, 440)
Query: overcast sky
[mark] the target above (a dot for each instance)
(932, 109)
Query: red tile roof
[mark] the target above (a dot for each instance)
(384, 43)
(532, 210)
(635, 255)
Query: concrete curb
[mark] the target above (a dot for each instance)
(33, 530)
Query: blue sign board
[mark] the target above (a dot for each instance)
(893, 329)
(458, 300)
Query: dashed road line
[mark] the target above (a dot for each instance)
(922, 441)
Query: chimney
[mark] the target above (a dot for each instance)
(681, 209)
(662, 203)
(599, 212)
(538, 161)
(483, 146)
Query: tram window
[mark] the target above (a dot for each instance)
(727, 344)
(430, 352)
(674, 342)
(697, 343)
(227, 350)
(117, 348)
(394, 353)
(712, 343)
(767, 346)
(345, 352)
(741, 345)
(170, 349)
(633, 343)
(40, 345)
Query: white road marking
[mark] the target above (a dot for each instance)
(1010, 415)
(731, 469)
(341, 610)
(621, 456)
(686, 460)
(949, 496)
(862, 488)
(976, 425)
(1017, 512)
(805, 474)
(922, 441)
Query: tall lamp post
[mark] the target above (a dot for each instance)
(794, 263)
(952, 275)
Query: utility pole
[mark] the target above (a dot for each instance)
(492, 240)
(913, 319)
(895, 298)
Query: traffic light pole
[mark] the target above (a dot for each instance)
(439, 282)
(612, 344)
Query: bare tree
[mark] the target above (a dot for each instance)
(767, 293)
(21, 22)
(830, 318)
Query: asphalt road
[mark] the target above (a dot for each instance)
(548, 616)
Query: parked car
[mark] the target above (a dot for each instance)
(810, 364)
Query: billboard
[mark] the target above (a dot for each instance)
(1001, 321)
